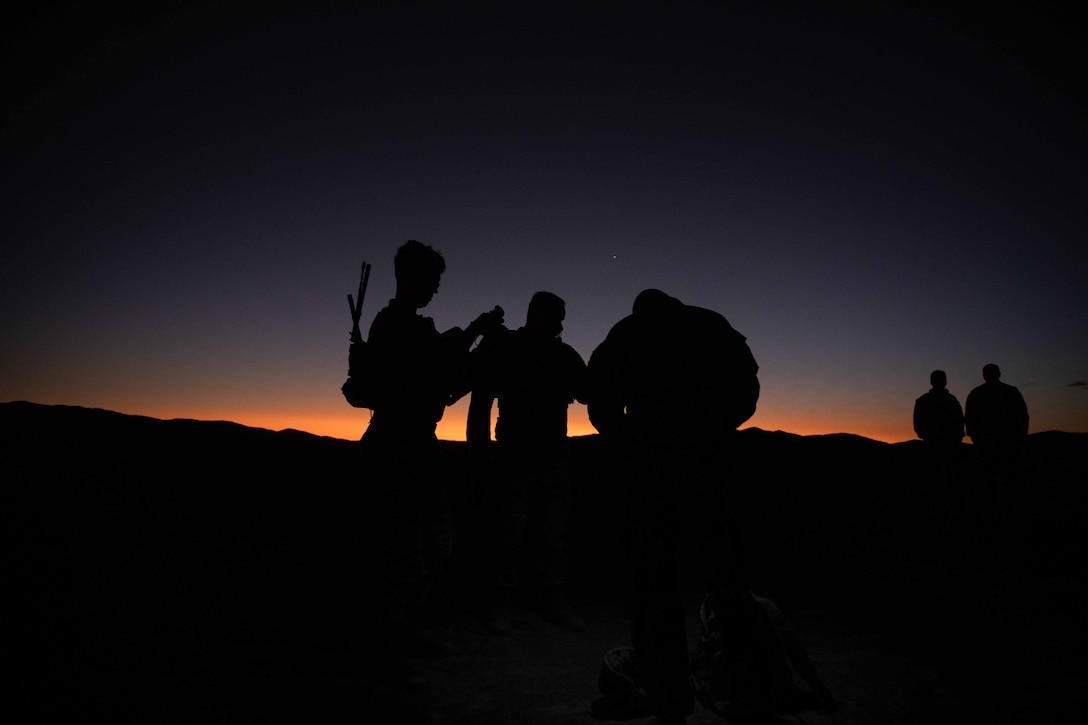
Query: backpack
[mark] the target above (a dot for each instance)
(743, 381)
(356, 389)
(741, 668)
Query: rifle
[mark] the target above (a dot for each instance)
(356, 388)
(357, 310)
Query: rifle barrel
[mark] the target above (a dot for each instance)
(357, 309)
(364, 278)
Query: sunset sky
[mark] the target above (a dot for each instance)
(867, 194)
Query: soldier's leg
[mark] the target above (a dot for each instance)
(507, 505)
(551, 492)
(656, 611)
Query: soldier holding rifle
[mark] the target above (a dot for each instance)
(414, 372)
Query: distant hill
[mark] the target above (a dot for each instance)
(79, 479)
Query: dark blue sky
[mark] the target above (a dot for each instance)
(867, 193)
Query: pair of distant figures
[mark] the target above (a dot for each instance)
(996, 420)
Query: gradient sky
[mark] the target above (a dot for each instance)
(867, 194)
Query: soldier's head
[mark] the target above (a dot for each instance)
(991, 373)
(654, 305)
(938, 379)
(418, 268)
(546, 314)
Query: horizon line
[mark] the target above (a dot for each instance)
(446, 439)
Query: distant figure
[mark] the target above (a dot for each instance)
(997, 422)
(938, 420)
(668, 387)
(418, 369)
(535, 376)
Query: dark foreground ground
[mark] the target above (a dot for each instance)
(185, 572)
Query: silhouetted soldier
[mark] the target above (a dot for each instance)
(997, 422)
(418, 371)
(535, 376)
(938, 421)
(668, 386)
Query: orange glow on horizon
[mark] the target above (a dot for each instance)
(350, 424)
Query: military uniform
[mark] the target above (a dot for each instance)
(534, 378)
(670, 384)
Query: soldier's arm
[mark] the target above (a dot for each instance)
(1023, 412)
(485, 324)
(478, 425)
(483, 363)
(579, 376)
(968, 418)
(603, 397)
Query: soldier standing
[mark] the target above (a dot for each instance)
(669, 385)
(535, 376)
(938, 421)
(415, 371)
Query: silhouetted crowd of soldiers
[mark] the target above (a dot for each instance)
(667, 388)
